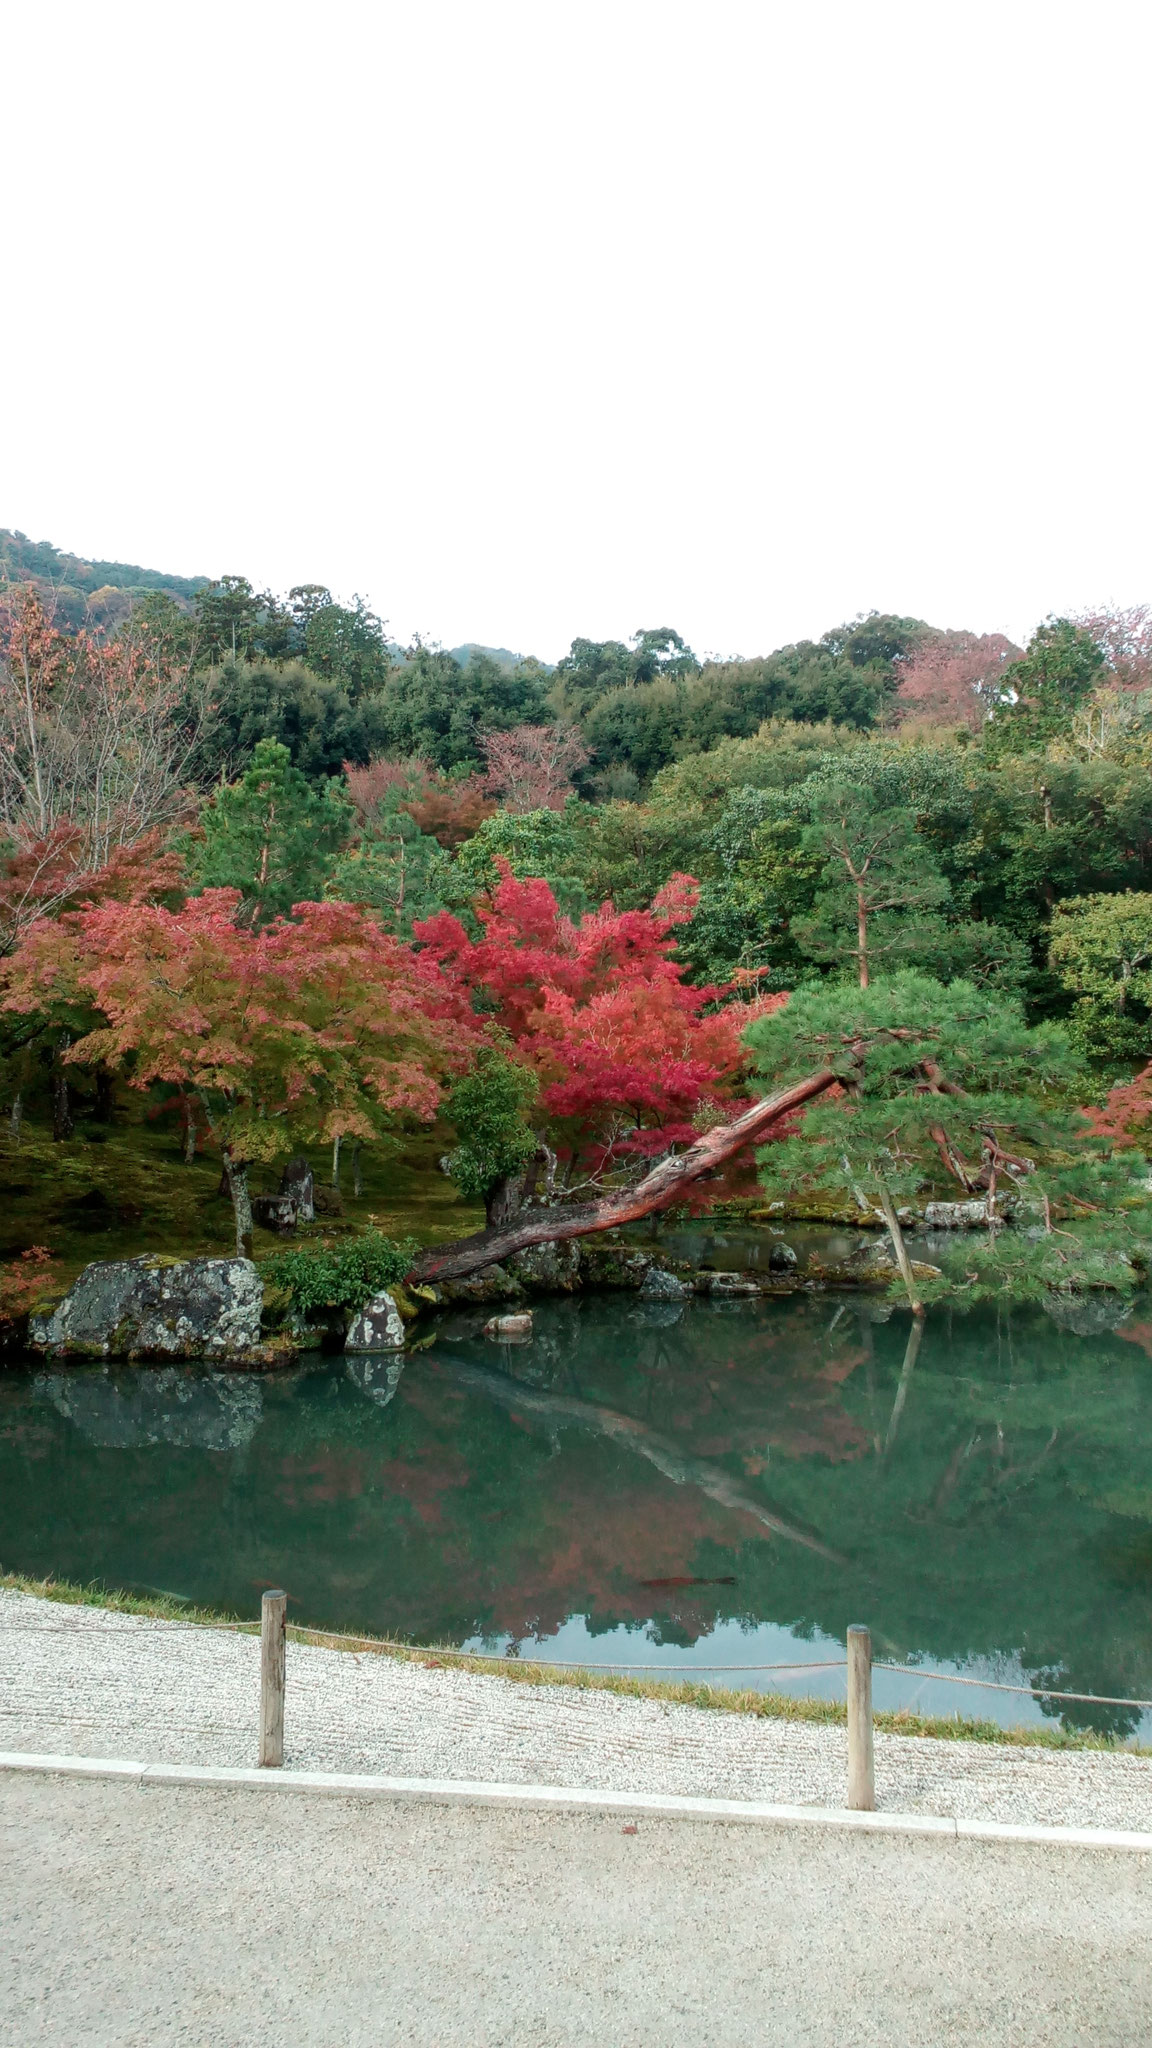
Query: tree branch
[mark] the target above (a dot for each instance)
(664, 1185)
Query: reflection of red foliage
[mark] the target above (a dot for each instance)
(1137, 1333)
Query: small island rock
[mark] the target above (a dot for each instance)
(510, 1329)
(378, 1326)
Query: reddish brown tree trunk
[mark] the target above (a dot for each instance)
(665, 1184)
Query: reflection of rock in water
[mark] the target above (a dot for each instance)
(208, 1411)
(376, 1376)
(657, 1315)
(1088, 1315)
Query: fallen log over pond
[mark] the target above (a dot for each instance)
(664, 1185)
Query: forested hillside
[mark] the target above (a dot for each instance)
(570, 891)
(80, 592)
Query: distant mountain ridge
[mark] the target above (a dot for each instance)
(101, 593)
(502, 656)
(78, 587)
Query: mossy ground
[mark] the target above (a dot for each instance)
(117, 1190)
(719, 1699)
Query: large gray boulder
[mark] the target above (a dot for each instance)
(660, 1285)
(156, 1308)
(378, 1326)
(1088, 1315)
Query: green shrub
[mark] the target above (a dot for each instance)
(342, 1275)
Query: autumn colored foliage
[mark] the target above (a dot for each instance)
(300, 1029)
(1126, 1112)
(626, 1053)
(953, 678)
(448, 808)
(531, 767)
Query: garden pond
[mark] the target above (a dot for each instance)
(703, 1490)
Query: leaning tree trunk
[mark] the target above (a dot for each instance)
(664, 1185)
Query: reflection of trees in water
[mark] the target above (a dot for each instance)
(1007, 1508)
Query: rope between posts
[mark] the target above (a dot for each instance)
(994, 1685)
(148, 1623)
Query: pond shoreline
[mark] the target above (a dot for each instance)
(101, 1682)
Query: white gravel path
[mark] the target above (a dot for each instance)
(87, 1681)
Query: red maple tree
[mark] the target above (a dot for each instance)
(631, 1058)
(448, 808)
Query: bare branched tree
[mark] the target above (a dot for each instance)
(531, 767)
(98, 746)
(101, 736)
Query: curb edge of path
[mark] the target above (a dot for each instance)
(563, 1798)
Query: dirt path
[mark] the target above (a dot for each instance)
(147, 1918)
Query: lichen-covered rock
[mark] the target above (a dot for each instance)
(510, 1329)
(660, 1285)
(959, 1215)
(378, 1326)
(492, 1283)
(275, 1212)
(548, 1268)
(1088, 1315)
(296, 1181)
(872, 1265)
(157, 1308)
(782, 1259)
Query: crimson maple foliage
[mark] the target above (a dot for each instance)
(1126, 1111)
(629, 1057)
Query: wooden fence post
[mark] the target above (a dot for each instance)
(273, 1635)
(861, 1766)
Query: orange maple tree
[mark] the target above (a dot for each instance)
(306, 1028)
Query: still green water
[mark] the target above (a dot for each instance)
(714, 1486)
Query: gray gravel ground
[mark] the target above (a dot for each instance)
(149, 1917)
(84, 1681)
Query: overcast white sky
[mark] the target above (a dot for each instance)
(535, 318)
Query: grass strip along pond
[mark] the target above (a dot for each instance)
(703, 1488)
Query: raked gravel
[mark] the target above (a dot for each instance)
(85, 1681)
